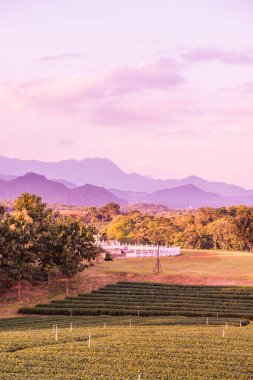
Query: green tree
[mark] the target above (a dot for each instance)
(33, 205)
(43, 228)
(75, 248)
(109, 211)
(17, 255)
(244, 225)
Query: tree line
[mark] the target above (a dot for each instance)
(223, 228)
(32, 236)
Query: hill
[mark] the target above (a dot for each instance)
(55, 192)
(184, 197)
(103, 172)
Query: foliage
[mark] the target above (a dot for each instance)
(74, 247)
(147, 299)
(207, 228)
(108, 257)
(158, 348)
(33, 236)
(17, 254)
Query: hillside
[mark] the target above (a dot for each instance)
(55, 192)
(184, 197)
(103, 172)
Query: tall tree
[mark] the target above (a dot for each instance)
(43, 228)
(244, 224)
(75, 248)
(17, 247)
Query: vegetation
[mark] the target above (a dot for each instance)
(34, 237)
(158, 348)
(207, 228)
(154, 299)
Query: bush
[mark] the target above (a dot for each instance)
(108, 257)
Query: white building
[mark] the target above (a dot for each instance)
(139, 250)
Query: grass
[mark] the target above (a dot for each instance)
(192, 267)
(200, 266)
(119, 351)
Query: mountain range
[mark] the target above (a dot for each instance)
(99, 181)
(103, 172)
(55, 192)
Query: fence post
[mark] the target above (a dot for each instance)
(56, 333)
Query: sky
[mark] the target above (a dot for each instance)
(161, 87)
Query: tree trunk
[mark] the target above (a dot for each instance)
(19, 291)
(48, 279)
(67, 285)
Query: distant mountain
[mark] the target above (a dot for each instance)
(131, 197)
(184, 197)
(89, 195)
(68, 184)
(103, 172)
(7, 177)
(55, 192)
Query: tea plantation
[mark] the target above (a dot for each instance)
(159, 347)
(155, 299)
(130, 331)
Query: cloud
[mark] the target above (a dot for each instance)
(60, 57)
(66, 142)
(81, 94)
(160, 75)
(214, 54)
(246, 87)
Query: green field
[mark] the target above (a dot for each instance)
(171, 351)
(154, 299)
(166, 345)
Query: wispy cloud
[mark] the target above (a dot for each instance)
(215, 54)
(67, 142)
(80, 94)
(60, 57)
(246, 87)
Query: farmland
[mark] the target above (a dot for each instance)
(154, 299)
(160, 348)
(165, 331)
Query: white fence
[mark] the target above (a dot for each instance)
(139, 250)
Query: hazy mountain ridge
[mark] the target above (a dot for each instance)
(103, 172)
(89, 195)
(96, 175)
(55, 192)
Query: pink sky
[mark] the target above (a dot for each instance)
(163, 87)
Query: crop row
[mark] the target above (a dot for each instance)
(160, 352)
(63, 321)
(143, 312)
(148, 301)
(110, 301)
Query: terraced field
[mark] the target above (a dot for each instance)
(160, 348)
(154, 299)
